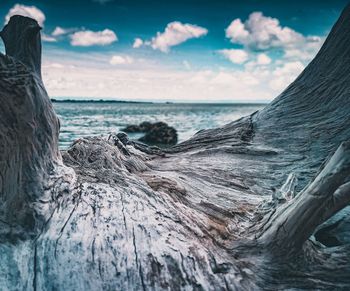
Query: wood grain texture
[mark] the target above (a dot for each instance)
(232, 208)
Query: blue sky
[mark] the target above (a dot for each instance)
(176, 50)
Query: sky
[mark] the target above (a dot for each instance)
(203, 51)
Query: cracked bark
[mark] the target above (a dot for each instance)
(202, 215)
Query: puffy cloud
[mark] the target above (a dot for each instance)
(263, 59)
(236, 56)
(289, 68)
(138, 42)
(48, 38)
(260, 32)
(296, 53)
(236, 31)
(285, 74)
(306, 51)
(260, 60)
(59, 31)
(176, 33)
(29, 11)
(121, 60)
(90, 38)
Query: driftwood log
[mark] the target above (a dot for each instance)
(261, 203)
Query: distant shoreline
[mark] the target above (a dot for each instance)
(54, 100)
(95, 101)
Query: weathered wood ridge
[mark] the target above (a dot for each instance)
(260, 203)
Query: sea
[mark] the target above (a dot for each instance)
(82, 119)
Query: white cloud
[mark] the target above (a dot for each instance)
(48, 38)
(288, 68)
(176, 33)
(236, 31)
(29, 11)
(78, 75)
(59, 31)
(138, 42)
(56, 34)
(76, 78)
(263, 59)
(236, 56)
(90, 38)
(92, 76)
(260, 32)
(121, 60)
(223, 78)
(284, 75)
(53, 65)
(306, 51)
(296, 53)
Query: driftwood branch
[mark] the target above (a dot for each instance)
(22, 41)
(29, 127)
(295, 222)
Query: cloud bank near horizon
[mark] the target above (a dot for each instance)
(265, 57)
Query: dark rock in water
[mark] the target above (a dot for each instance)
(147, 126)
(160, 133)
(142, 127)
(155, 133)
(131, 129)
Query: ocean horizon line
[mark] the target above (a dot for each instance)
(154, 101)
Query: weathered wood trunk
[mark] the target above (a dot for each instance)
(260, 203)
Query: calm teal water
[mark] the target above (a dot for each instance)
(90, 119)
